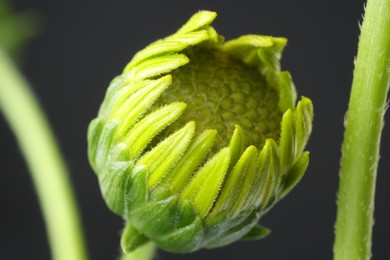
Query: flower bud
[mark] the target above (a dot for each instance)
(198, 138)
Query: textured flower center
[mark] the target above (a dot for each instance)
(221, 91)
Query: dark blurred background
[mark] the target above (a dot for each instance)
(84, 44)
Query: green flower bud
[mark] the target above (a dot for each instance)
(198, 138)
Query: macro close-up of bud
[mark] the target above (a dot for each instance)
(198, 138)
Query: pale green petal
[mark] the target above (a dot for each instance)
(295, 174)
(287, 91)
(204, 186)
(303, 122)
(197, 21)
(163, 157)
(191, 160)
(137, 104)
(158, 66)
(237, 185)
(269, 175)
(141, 134)
(287, 145)
(236, 145)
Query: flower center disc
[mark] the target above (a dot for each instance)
(221, 91)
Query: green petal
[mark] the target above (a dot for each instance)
(205, 185)
(158, 48)
(287, 91)
(236, 187)
(191, 38)
(138, 103)
(303, 122)
(295, 174)
(236, 145)
(246, 48)
(141, 134)
(191, 160)
(268, 174)
(118, 92)
(271, 56)
(287, 146)
(166, 154)
(197, 21)
(159, 65)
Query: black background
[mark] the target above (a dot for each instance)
(84, 44)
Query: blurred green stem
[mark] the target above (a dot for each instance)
(145, 252)
(363, 127)
(47, 168)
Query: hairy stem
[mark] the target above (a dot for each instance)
(44, 161)
(145, 252)
(363, 127)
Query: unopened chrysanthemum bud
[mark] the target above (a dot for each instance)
(198, 138)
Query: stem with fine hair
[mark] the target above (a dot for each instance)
(363, 127)
(47, 168)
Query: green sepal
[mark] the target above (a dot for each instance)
(142, 133)
(131, 239)
(113, 185)
(136, 192)
(95, 130)
(186, 214)
(257, 232)
(102, 150)
(154, 218)
(211, 176)
(295, 174)
(183, 240)
(112, 94)
(239, 228)
(166, 154)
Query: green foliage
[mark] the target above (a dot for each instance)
(16, 29)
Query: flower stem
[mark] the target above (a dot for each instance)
(145, 252)
(44, 161)
(363, 127)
